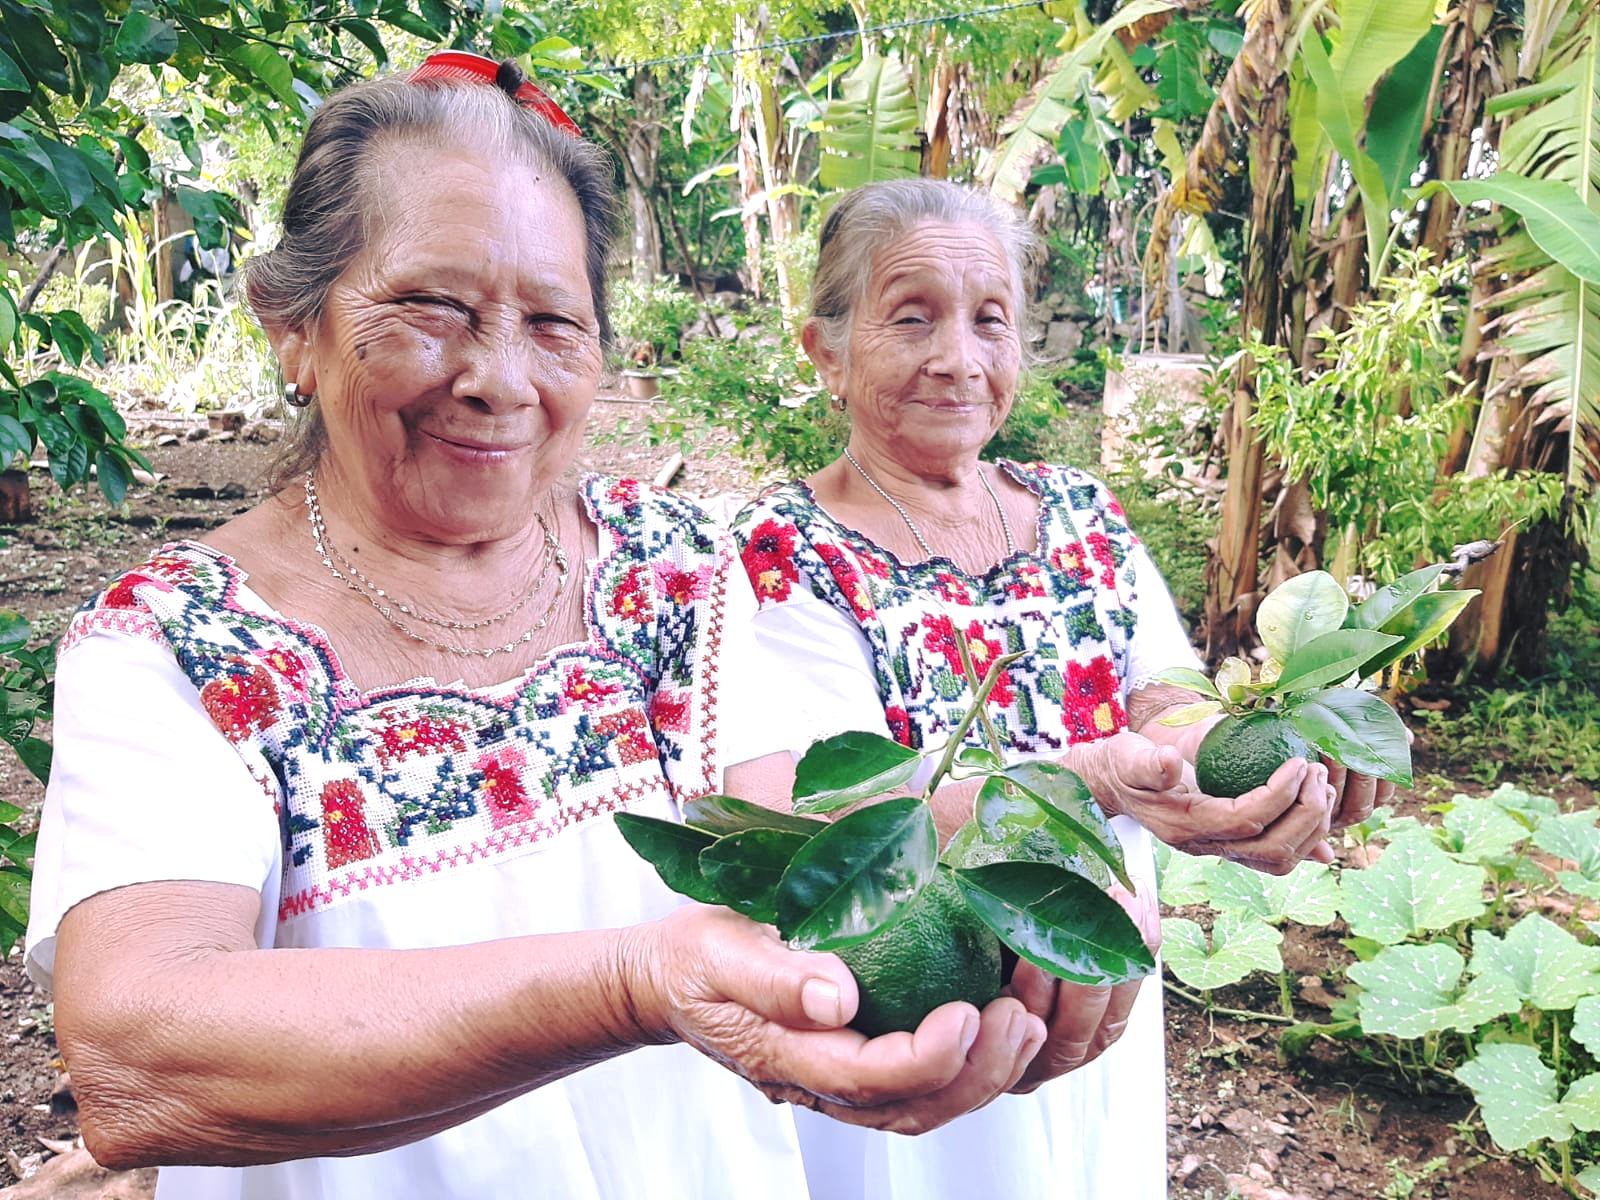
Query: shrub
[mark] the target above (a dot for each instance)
(648, 319)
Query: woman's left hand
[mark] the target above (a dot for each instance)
(1082, 1021)
(1354, 795)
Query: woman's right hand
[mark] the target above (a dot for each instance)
(732, 990)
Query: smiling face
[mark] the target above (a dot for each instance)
(934, 348)
(456, 358)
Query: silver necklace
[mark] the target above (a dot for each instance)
(922, 542)
(378, 598)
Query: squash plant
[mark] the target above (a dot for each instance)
(1033, 863)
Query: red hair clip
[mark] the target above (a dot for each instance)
(457, 66)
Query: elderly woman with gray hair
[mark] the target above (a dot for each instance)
(326, 886)
(866, 571)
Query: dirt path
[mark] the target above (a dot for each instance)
(1240, 1123)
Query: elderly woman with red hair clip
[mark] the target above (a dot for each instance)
(327, 887)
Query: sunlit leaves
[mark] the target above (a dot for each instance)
(1413, 888)
(1299, 610)
(1549, 967)
(1239, 945)
(1410, 991)
(1516, 1092)
(842, 770)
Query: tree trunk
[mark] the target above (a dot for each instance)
(642, 146)
(1232, 569)
(745, 117)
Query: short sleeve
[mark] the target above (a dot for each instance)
(143, 788)
(1159, 641)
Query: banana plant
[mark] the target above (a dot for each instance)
(870, 131)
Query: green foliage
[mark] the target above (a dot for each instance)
(649, 319)
(25, 700)
(1465, 962)
(1367, 433)
(754, 389)
(840, 885)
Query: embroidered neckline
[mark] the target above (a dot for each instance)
(239, 597)
(939, 563)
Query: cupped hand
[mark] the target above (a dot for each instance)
(733, 990)
(1083, 1022)
(1270, 828)
(1354, 795)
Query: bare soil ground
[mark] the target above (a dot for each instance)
(1241, 1123)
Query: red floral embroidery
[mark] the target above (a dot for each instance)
(877, 567)
(941, 639)
(851, 583)
(899, 724)
(121, 595)
(1100, 547)
(1092, 706)
(504, 795)
(951, 588)
(417, 735)
(631, 736)
(769, 560)
(581, 688)
(682, 587)
(1027, 582)
(345, 835)
(631, 598)
(624, 492)
(242, 702)
(1069, 560)
(289, 665)
(670, 710)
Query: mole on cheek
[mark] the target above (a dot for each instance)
(361, 351)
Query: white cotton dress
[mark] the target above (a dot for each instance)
(867, 642)
(202, 736)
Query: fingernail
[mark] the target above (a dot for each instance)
(1300, 776)
(820, 1001)
(969, 1033)
(1018, 1027)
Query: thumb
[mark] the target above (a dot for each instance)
(793, 988)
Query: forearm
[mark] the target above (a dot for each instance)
(233, 1056)
(1148, 705)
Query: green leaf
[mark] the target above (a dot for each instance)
(1394, 129)
(1182, 876)
(857, 875)
(1188, 677)
(1573, 837)
(746, 868)
(1581, 1104)
(1409, 991)
(674, 851)
(1517, 1095)
(1083, 163)
(1374, 35)
(8, 812)
(145, 39)
(1240, 944)
(839, 771)
(726, 814)
(272, 69)
(1586, 1024)
(14, 634)
(1070, 808)
(1418, 625)
(1356, 729)
(1477, 829)
(1060, 922)
(112, 475)
(14, 886)
(969, 848)
(1553, 213)
(1340, 120)
(1414, 887)
(11, 77)
(870, 132)
(1550, 968)
(1299, 610)
(1387, 601)
(1330, 658)
(1307, 895)
(367, 34)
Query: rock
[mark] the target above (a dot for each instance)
(225, 436)
(264, 432)
(76, 1176)
(1246, 1188)
(228, 420)
(231, 491)
(1187, 1169)
(168, 439)
(199, 491)
(1312, 992)
(1062, 339)
(198, 433)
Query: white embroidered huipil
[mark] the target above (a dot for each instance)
(202, 736)
(868, 642)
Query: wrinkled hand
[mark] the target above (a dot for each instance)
(1270, 828)
(1355, 795)
(732, 990)
(1083, 1022)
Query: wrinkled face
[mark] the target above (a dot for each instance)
(457, 357)
(935, 348)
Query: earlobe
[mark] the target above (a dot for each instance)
(826, 362)
(293, 349)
